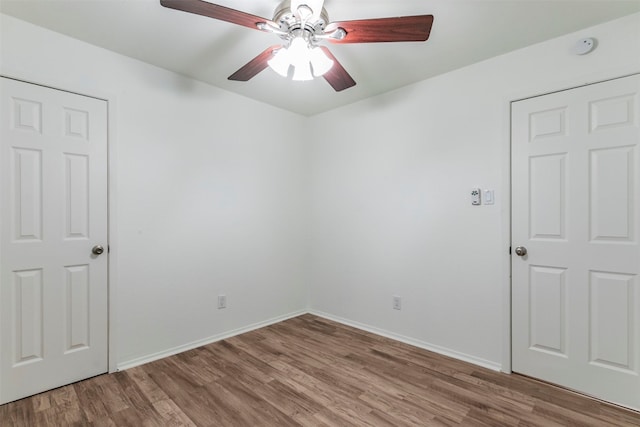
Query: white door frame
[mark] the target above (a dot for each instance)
(506, 199)
(110, 99)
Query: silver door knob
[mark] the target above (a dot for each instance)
(97, 250)
(521, 251)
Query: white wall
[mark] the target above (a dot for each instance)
(206, 201)
(391, 213)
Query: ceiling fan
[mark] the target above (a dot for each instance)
(302, 24)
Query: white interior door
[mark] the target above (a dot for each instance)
(53, 211)
(576, 193)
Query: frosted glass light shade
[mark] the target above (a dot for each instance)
(302, 72)
(307, 60)
(280, 62)
(319, 61)
(298, 51)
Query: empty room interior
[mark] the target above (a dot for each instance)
(432, 218)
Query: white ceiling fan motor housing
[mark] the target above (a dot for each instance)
(285, 17)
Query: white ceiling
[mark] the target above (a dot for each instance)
(464, 32)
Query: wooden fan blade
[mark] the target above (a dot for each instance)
(215, 11)
(337, 76)
(255, 66)
(401, 29)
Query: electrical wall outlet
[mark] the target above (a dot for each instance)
(397, 302)
(222, 301)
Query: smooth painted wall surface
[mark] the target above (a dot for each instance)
(206, 201)
(391, 212)
(377, 205)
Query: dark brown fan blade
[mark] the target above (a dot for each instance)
(255, 66)
(401, 29)
(337, 76)
(215, 11)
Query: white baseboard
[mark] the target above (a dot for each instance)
(411, 341)
(407, 340)
(199, 343)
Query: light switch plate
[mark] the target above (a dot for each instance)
(488, 197)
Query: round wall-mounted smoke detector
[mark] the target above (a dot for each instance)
(584, 46)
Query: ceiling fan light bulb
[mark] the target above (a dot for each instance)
(320, 62)
(302, 72)
(280, 62)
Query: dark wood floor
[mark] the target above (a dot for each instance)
(312, 372)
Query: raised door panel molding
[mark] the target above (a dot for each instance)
(613, 112)
(76, 123)
(28, 316)
(612, 186)
(27, 194)
(77, 308)
(547, 310)
(27, 115)
(547, 204)
(612, 320)
(76, 196)
(546, 124)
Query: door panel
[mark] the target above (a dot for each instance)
(576, 302)
(612, 314)
(27, 204)
(547, 308)
(548, 197)
(77, 326)
(76, 196)
(27, 321)
(611, 193)
(53, 210)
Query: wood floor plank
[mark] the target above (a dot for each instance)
(151, 391)
(402, 411)
(187, 397)
(234, 356)
(288, 400)
(171, 414)
(90, 393)
(564, 416)
(310, 371)
(253, 407)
